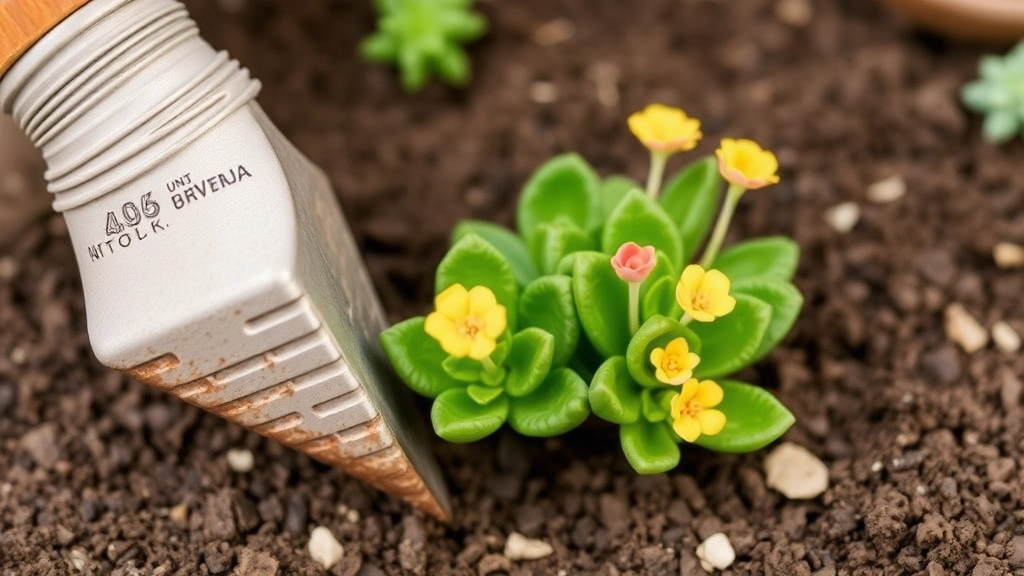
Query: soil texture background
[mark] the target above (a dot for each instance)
(923, 441)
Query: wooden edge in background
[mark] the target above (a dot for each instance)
(23, 22)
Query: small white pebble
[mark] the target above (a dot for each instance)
(543, 92)
(79, 560)
(964, 330)
(716, 553)
(1005, 337)
(795, 472)
(877, 466)
(8, 268)
(796, 13)
(889, 190)
(519, 547)
(843, 217)
(605, 76)
(18, 355)
(324, 548)
(6, 488)
(554, 32)
(352, 516)
(240, 460)
(1008, 255)
(921, 489)
(179, 514)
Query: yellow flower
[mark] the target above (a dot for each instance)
(704, 295)
(665, 129)
(744, 163)
(467, 322)
(693, 410)
(674, 363)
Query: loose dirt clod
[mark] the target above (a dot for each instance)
(964, 330)
(888, 190)
(795, 472)
(716, 553)
(519, 547)
(324, 548)
(1008, 255)
(1005, 337)
(843, 217)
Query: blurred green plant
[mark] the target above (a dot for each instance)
(423, 38)
(999, 94)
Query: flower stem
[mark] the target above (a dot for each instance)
(489, 366)
(732, 198)
(658, 161)
(634, 307)
(685, 318)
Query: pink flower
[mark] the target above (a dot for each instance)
(633, 263)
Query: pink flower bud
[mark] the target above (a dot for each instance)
(633, 263)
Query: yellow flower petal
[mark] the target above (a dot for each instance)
(495, 322)
(687, 427)
(453, 301)
(685, 395)
(656, 355)
(481, 300)
(709, 394)
(665, 129)
(691, 277)
(677, 346)
(438, 326)
(692, 360)
(480, 348)
(711, 422)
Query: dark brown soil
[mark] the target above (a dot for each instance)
(922, 440)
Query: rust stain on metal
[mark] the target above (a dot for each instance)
(253, 404)
(152, 372)
(388, 470)
(202, 386)
(287, 430)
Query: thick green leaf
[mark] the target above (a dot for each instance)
(690, 198)
(550, 242)
(732, 341)
(660, 298)
(653, 405)
(417, 358)
(639, 219)
(656, 332)
(602, 302)
(458, 418)
(547, 303)
(463, 369)
(505, 241)
(472, 261)
(564, 187)
(753, 419)
(483, 394)
(567, 264)
(785, 301)
(613, 190)
(529, 361)
(655, 282)
(557, 406)
(772, 257)
(649, 448)
(613, 394)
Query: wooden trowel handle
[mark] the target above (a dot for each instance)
(23, 22)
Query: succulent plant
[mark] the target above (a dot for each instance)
(424, 37)
(999, 95)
